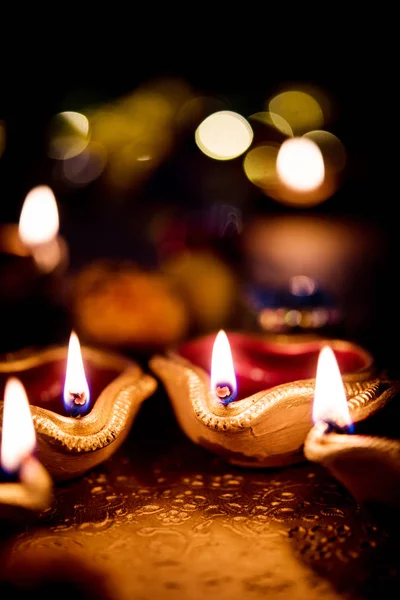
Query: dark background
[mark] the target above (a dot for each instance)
(242, 63)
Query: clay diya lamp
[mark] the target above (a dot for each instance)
(83, 403)
(26, 488)
(266, 423)
(33, 261)
(365, 455)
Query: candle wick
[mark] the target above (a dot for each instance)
(75, 412)
(77, 400)
(225, 393)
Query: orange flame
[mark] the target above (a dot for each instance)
(223, 378)
(39, 221)
(330, 403)
(18, 436)
(76, 389)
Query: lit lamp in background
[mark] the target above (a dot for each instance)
(37, 233)
(27, 487)
(248, 398)
(297, 302)
(306, 273)
(76, 427)
(33, 261)
(368, 465)
(38, 229)
(310, 273)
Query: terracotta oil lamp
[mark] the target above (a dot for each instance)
(33, 261)
(83, 403)
(365, 455)
(248, 398)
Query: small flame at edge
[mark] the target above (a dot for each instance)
(18, 433)
(330, 402)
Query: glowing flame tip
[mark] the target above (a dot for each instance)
(330, 402)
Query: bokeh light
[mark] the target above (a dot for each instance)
(332, 149)
(260, 166)
(68, 135)
(86, 167)
(138, 131)
(301, 180)
(196, 109)
(300, 164)
(302, 285)
(224, 135)
(48, 256)
(300, 109)
(273, 120)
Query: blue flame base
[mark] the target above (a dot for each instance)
(341, 429)
(77, 410)
(229, 398)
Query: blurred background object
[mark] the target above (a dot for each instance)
(119, 304)
(311, 272)
(243, 198)
(33, 265)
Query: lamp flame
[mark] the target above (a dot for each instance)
(39, 220)
(330, 402)
(76, 389)
(223, 378)
(18, 436)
